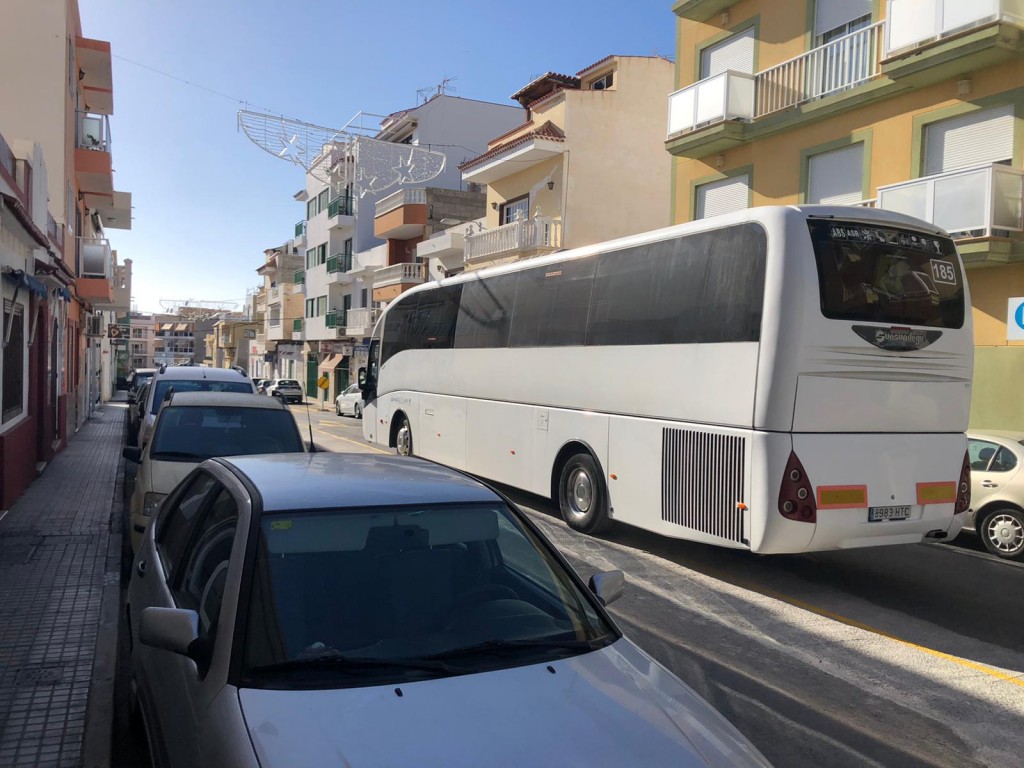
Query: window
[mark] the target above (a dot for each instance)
(321, 201)
(552, 305)
(310, 307)
(1004, 461)
(203, 578)
(321, 306)
(311, 209)
(836, 177)
(316, 256)
(980, 453)
(347, 246)
(725, 196)
(603, 83)
(485, 312)
(835, 18)
(175, 527)
(514, 210)
(736, 53)
(424, 321)
(14, 361)
(982, 137)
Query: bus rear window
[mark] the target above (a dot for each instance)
(887, 275)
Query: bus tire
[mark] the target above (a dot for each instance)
(582, 497)
(1002, 532)
(403, 438)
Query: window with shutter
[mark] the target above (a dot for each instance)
(736, 54)
(979, 138)
(723, 196)
(836, 177)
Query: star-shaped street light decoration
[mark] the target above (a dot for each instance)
(406, 168)
(291, 150)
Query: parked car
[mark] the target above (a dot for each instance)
(342, 609)
(350, 402)
(137, 379)
(996, 514)
(289, 390)
(135, 413)
(261, 385)
(188, 378)
(192, 427)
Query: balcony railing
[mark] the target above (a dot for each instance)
(300, 228)
(836, 66)
(95, 257)
(361, 321)
(339, 262)
(297, 325)
(399, 274)
(341, 206)
(913, 22)
(93, 132)
(528, 236)
(336, 318)
(727, 96)
(300, 276)
(400, 198)
(972, 202)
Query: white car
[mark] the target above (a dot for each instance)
(349, 610)
(288, 390)
(192, 427)
(996, 513)
(188, 378)
(350, 402)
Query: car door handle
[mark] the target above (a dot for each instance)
(428, 412)
(141, 567)
(989, 484)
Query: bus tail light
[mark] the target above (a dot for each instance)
(796, 497)
(963, 489)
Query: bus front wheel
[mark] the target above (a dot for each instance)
(403, 438)
(582, 497)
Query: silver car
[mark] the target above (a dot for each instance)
(350, 402)
(353, 610)
(996, 513)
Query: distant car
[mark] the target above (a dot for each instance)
(289, 390)
(341, 609)
(135, 413)
(137, 379)
(188, 378)
(261, 385)
(350, 402)
(996, 513)
(192, 427)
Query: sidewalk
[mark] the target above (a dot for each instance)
(60, 547)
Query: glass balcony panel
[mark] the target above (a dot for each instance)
(711, 103)
(681, 107)
(911, 200)
(1008, 196)
(960, 202)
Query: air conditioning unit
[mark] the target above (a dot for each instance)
(94, 325)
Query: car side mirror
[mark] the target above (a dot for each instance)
(131, 397)
(170, 629)
(132, 454)
(362, 378)
(608, 586)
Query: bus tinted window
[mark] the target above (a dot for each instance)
(887, 275)
(397, 328)
(485, 314)
(552, 304)
(423, 320)
(733, 298)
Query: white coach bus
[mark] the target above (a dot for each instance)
(783, 379)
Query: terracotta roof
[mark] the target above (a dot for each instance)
(548, 131)
(24, 218)
(536, 88)
(595, 64)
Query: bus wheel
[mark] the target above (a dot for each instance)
(403, 438)
(582, 496)
(1002, 532)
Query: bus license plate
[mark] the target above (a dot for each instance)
(875, 514)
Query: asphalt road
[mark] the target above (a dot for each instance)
(897, 656)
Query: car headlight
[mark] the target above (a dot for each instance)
(151, 503)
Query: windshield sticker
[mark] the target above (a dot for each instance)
(280, 525)
(943, 272)
(896, 339)
(886, 237)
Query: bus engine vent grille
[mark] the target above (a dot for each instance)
(702, 482)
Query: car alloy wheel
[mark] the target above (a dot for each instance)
(1002, 533)
(403, 439)
(582, 497)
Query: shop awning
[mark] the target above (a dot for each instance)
(181, 327)
(24, 280)
(331, 363)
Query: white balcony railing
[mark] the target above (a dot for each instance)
(96, 258)
(399, 274)
(727, 96)
(520, 237)
(400, 198)
(969, 202)
(359, 322)
(913, 22)
(840, 64)
(93, 132)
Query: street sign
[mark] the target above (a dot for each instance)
(115, 331)
(1015, 319)
(323, 382)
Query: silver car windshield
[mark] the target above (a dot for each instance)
(358, 597)
(196, 433)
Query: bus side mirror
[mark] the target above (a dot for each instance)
(367, 386)
(362, 378)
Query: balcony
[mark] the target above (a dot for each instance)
(389, 282)
(520, 239)
(360, 322)
(300, 277)
(278, 331)
(339, 269)
(721, 112)
(95, 271)
(297, 325)
(95, 75)
(933, 40)
(336, 319)
(300, 228)
(92, 155)
(274, 295)
(341, 212)
(982, 202)
(402, 215)
(226, 341)
(700, 10)
(115, 210)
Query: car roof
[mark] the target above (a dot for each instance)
(228, 399)
(1003, 434)
(195, 372)
(326, 480)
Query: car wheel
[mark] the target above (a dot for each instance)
(337, 408)
(357, 411)
(1002, 532)
(403, 438)
(582, 497)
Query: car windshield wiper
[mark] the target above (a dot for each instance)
(354, 664)
(503, 646)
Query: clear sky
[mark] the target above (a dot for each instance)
(207, 201)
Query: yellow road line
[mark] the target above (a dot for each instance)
(350, 440)
(867, 628)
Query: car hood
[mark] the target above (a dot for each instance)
(614, 706)
(164, 475)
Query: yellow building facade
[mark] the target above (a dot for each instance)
(900, 104)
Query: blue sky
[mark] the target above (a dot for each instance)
(207, 201)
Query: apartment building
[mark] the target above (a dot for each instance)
(910, 106)
(141, 340)
(232, 341)
(562, 178)
(56, 99)
(277, 309)
(174, 340)
(361, 245)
